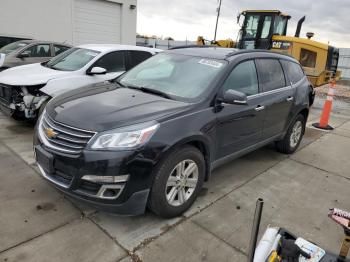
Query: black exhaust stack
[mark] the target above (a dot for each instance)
(300, 22)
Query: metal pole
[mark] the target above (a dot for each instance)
(217, 20)
(255, 229)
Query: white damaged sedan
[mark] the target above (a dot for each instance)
(25, 90)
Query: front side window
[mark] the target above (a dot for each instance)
(252, 25)
(112, 62)
(137, 57)
(42, 50)
(271, 74)
(308, 58)
(60, 49)
(293, 70)
(12, 47)
(73, 59)
(182, 77)
(243, 78)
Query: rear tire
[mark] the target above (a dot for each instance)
(291, 141)
(178, 179)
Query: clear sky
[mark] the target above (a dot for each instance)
(181, 19)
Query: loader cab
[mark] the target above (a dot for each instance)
(259, 26)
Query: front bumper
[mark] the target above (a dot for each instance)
(135, 205)
(129, 197)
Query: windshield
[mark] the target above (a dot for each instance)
(12, 47)
(178, 76)
(252, 22)
(72, 60)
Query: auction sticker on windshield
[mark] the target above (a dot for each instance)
(211, 63)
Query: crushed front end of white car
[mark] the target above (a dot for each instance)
(21, 101)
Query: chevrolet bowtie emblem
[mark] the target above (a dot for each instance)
(50, 133)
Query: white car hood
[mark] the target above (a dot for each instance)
(33, 74)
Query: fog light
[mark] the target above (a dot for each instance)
(111, 193)
(106, 179)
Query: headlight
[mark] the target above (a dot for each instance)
(125, 138)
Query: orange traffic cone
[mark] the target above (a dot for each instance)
(327, 107)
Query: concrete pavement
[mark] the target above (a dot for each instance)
(37, 223)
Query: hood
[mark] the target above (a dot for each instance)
(104, 107)
(2, 59)
(33, 74)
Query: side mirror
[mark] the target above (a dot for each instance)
(97, 71)
(235, 97)
(24, 54)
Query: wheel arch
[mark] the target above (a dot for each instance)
(199, 142)
(302, 111)
(305, 113)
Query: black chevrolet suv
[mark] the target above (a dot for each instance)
(151, 137)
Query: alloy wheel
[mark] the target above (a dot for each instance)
(296, 134)
(182, 182)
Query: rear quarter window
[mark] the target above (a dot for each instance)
(293, 70)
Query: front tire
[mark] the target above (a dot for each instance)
(177, 181)
(291, 141)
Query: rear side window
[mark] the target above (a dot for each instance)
(137, 57)
(112, 62)
(60, 49)
(271, 74)
(243, 78)
(293, 70)
(41, 50)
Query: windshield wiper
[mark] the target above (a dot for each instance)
(150, 91)
(143, 89)
(45, 64)
(117, 82)
(155, 92)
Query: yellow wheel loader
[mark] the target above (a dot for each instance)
(267, 29)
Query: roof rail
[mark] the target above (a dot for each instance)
(189, 46)
(242, 51)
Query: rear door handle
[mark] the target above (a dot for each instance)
(290, 99)
(259, 108)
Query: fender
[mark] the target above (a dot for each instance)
(202, 139)
(58, 86)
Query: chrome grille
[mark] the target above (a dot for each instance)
(67, 139)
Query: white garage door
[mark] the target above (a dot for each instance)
(96, 21)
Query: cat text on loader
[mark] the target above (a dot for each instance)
(266, 29)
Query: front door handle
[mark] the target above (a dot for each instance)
(259, 108)
(290, 99)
